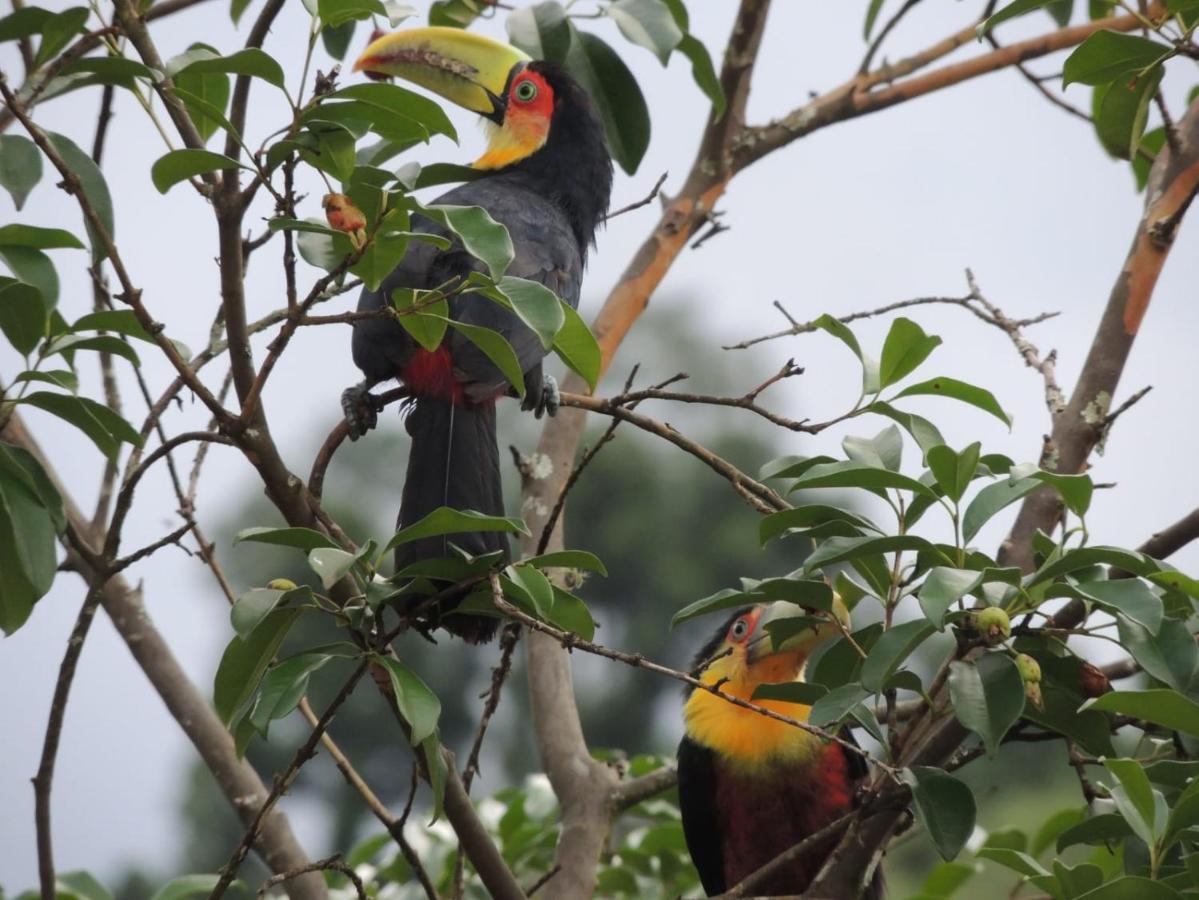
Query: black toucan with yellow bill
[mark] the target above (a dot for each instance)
(547, 177)
(751, 787)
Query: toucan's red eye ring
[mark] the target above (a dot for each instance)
(525, 91)
(740, 630)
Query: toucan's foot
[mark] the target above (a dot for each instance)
(361, 409)
(549, 399)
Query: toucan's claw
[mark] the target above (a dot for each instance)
(550, 399)
(361, 409)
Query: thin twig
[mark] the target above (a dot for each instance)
(330, 863)
(644, 201)
(44, 780)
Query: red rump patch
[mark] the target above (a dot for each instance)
(432, 374)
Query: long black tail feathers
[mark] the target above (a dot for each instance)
(454, 461)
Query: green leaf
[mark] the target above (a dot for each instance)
(283, 688)
(568, 559)
(301, 538)
(883, 451)
(211, 88)
(942, 588)
(536, 588)
(906, 347)
(81, 886)
(22, 315)
(1094, 830)
(1055, 826)
(428, 323)
(33, 267)
(24, 22)
(1171, 656)
(891, 650)
(251, 61)
(103, 343)
(1122, 112)
(31, 515)
(251, 608)
(438, 772)
(1167, 708)
(1085, 557)
(1132, 887)
(728, 598)
(807, 517)
(1015, 860)
(649, 24)
(988, 696)
(534, 304)
(577, 347)
(921, 429)
(850, 474)
(990, 500)
(380, 258)
(541, 30)
(839, 330)
(95, 188)
(57, 32)
(336, 12)
(186, 887)
(105, 428)
(953, 471)
(20, 167)
(1017, 8)
(59, 378)
(600, 71)
(331, 564)
(835, 550)
(482, 236)
(496, 349)
(337, 40)
(1109, 55)
(387, 102)
(791, 466)
(1135, 799)
(244, 662)
(38, 238)
(872, 12)
(945, 807)
(571, 614)
(837, 704)
(1129, 596)
(417, 704)
(446, 520)
(1075, 490)
(703, 73)
(961, 391)
(179, 165)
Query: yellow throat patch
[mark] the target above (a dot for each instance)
(743, 736)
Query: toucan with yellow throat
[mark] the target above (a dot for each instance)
(751, 787)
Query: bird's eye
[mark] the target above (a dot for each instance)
(740, 629)
(526, 91)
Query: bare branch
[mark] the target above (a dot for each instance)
(644, 201)
(330, 863)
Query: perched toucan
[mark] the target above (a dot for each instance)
(750, 786)
(547, 176)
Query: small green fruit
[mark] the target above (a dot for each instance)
(281, 584)
(1032, 691)
(1030, 669)
(994, 625)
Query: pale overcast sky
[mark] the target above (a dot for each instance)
(892, 206)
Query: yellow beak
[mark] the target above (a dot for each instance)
(464, 68)
(799, 638)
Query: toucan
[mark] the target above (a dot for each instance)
(547, 176)
(751, 787)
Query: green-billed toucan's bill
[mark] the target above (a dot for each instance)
(468, 69)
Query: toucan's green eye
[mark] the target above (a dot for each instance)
(526, 91)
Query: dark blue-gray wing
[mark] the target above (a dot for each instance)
(545, 251)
